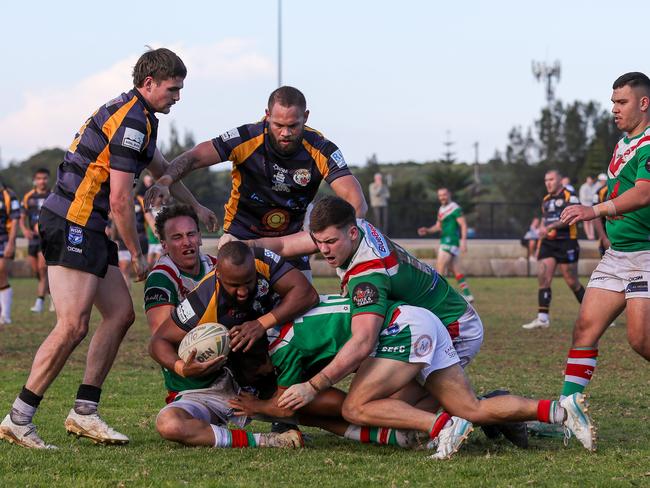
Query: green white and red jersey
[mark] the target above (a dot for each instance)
(449, 227)
(630, 163)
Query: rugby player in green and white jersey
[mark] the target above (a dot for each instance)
(373, 271)
(620, 282)
(453, 239)
(178, 271)
(408, 335)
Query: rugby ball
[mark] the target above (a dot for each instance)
(210, 340)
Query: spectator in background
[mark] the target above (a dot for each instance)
(531, 238)
(566, 183)
(586, 196)
(379, 195)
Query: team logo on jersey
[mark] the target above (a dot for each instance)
(365, 294)
(559, 202)
(302, 177)
(133, 139)
(338, 158)
(256, 198)
(423, 345)
(156, 295)
(75, 235)
(262, 287)
(392, 330)
(231, 134)
(15, 205)
(277, 219)
(279, 179)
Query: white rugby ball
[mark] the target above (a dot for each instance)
(210, 340)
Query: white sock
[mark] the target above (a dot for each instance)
(353, 432)
(22, 413)
(542, 316)
(6, 296)
(222, 436)
(557, 413)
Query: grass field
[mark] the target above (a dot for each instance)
(526, 362)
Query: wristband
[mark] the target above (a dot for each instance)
(268, 320)
(321, 385)
(178, 368)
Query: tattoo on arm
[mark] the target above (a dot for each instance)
(181, 166)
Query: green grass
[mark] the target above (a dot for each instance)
(526, 362)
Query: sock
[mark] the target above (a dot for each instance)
(87, 399)
(224, 437)
(579, 293)
(460, 278)
(439, 424)
(550, 412)
(24, 407)
(39, 301)
(6, 295)
(376, 435)
(580, 367)
(544, 302)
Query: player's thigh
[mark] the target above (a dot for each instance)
(638, 325)
(113, 298)
(442, 261)
(380, 378)
(598, 309)
(452, 389)
(545, 270)
(73, 292)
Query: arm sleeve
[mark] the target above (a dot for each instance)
(643, 171)
(189, 312)
(128, 142)
(335, 161)
(159, 290)
(228, 141)
(14, 206)
(278, 267)
(369, 294)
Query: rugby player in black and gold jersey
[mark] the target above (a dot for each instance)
(558, 245)
(96, 176)
(278, 164)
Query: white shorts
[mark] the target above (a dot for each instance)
(467, 335)
(448, 248)
(417, 336)
(211, 404)
(155, 248)
(623, 272)
(124, 255)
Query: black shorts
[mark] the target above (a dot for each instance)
(563, 250)
(70, 245)
(34, 247)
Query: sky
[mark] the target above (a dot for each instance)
(395, 79)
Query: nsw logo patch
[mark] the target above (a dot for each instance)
(338, 158)
(75, 235)
(365, 294)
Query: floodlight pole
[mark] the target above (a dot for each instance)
(546, 73)
(279, 43)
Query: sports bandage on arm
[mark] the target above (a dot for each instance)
(605, 209)
(268, 320)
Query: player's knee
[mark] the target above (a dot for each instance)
(74, 330)
(640, 344)
(170, 427)
(353, 412)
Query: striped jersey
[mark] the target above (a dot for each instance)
(120, 135)
(552, 207)
(302, 346)
(31, 206)
(450, 230)
(630, 163)
(380, 271)
(270, 192)
(9, 211)
(208, 302)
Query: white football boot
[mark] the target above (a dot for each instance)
(578, 422)
(38, 306)
(22, 435)
(94, 428)
(288, 440)
(537, 324)
(451, 437)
